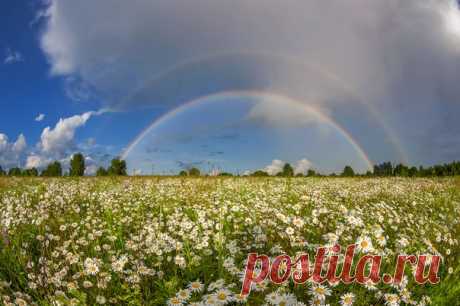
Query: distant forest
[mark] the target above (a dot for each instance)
(118, 168)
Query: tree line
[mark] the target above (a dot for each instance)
(380, 170)
(118, 167)
(77, 168)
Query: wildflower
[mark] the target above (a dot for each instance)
(298, 222)
(290, 231)
(364, 244)
(320, 291)
(195, 286)
(175, 301)
(20, 302)
(183, 294)
(216, 285)
(91, 266)
(87, 284)
(347, 299)
(391, 299)
(100, 299)
(118, 265)
(223, 296)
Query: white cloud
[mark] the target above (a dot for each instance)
(401, 57)
(40, 117)
(37, 161)
(11, 153)
(60, 139)
(302, 166)
(275, 167)
(12, 57)
(58, 143)
(3, 142)
(20, 145)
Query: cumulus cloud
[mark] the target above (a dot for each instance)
(275, 167)
(11, 153)
(58, 143)
(40, 117)
(302, 166)
(395, 61)
(60, 139)
(37, 161)
(12, 56)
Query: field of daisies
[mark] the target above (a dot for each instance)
(185, 241)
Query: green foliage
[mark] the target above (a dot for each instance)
(77, 165)
(2, 172)
(260, 173)
(101, 172)
(96, 219)
(312, 172)
(386, 169)
(16, 171)
(183, 173)
(348, 171)
(401, 170)
(194, 172)
(30, 172)
(117, 167)
(287, 170)
(53, 169)
(225, 174)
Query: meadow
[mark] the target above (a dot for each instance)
(185, 241)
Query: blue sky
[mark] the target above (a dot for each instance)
(269, 80)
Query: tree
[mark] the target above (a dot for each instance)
(260, 173)
(77, 165)
(194, 172)
(101, 172)
(225, 174)
(348, 171)
(311, 172)
(2, 172)
(384, 169)
(413, 171)
(15, 171)
(401, 170)
(117, 167)
(30, 172)
(183, 173)
(53, 169)
(287, 170)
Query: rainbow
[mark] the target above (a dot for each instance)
(249, 94)
(352, 92)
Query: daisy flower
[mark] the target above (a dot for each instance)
(364, 244)
(195, 286)
(347, 299)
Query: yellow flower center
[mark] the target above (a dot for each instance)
(222, 296)
(320, 290)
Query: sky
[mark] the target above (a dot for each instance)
(230, 85)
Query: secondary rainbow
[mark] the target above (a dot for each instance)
(250, 94)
